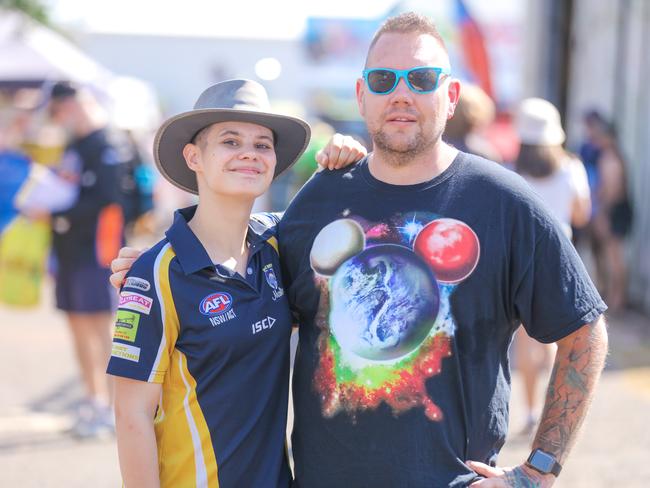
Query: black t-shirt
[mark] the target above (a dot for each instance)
(407, 298)
(98, 163)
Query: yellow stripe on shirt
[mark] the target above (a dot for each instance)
(206, 474)
(168, 314)
(274, 243)
(185, 453)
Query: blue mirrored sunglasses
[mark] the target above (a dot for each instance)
(421, 79)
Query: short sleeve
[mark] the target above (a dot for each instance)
(551, 292)
(143, 339)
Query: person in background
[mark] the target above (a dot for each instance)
(14, 163)
(589, 154)
(474, 112)
(85, 238)
(613, 218)
(560, 179)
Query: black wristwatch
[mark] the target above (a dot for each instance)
(544, 462)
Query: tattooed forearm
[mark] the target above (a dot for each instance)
(578, 363)
(518, 478)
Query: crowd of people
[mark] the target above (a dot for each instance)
(407, 270)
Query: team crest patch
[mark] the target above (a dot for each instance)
(272, 281)
(218, 308)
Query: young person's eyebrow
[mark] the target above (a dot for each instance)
(231, 132)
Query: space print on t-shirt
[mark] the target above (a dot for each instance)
(385, 315)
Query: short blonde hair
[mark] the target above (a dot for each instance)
(406, 23)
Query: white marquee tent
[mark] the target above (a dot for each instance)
(32, 55)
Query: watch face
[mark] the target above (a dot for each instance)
(542, 461)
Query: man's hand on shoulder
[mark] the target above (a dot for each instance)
(520, 476)
(340, 151)
(122, 264)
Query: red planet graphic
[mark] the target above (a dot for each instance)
(450, 247)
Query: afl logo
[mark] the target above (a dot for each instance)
(216, 304)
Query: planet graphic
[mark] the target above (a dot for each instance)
(383, 302)
(450, 247)
(334, 244)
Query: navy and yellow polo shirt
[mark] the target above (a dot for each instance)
(219, 344)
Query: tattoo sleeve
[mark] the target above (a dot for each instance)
(579, 361)
(517, 478)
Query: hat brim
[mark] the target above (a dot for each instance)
(291, 139)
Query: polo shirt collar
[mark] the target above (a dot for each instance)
(190, 253)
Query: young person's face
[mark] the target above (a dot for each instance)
(233, 159)
(404, 121)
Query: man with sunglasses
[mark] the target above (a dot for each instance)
(408, 274)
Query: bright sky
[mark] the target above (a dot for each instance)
(232, 18)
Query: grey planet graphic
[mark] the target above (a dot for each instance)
(383, 302)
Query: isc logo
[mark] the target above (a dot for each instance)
(215, 304)
(266, 323)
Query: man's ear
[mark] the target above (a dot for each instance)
(191, 155)
(360, 89)
(453, 95)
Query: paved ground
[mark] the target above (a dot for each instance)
(40, 389)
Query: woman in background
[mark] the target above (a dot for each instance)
(560, 180)
(612, 219)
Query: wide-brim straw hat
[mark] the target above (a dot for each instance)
(233, 100)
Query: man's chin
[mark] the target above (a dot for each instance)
(396, 146)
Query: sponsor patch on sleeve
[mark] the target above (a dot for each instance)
(134, 301)
(126, 326)
(137, 283)
(125, 351)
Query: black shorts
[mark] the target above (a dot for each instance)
(84, 289)
(620, 218)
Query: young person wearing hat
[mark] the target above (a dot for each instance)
(201, 345)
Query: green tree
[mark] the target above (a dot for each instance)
(33, 8)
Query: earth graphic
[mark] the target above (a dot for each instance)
(384, 302)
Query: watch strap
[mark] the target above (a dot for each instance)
(554, 469)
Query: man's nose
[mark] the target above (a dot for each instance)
(402, 92)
